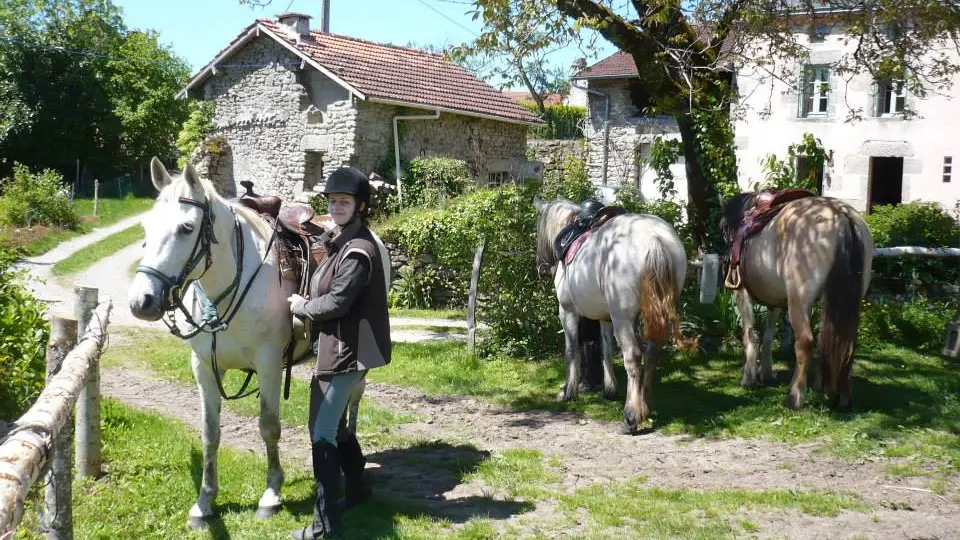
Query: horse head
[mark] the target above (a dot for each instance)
(552, 216)
(178, 236)
(733, 213)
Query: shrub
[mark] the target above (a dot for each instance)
(669, 210)
(562, 122)
(414, 288)
(573, 183)
(431, 182)
(918, 323)
(517, 303)
(36, 199)
(195, 129)
(25, 334)
(914, 224)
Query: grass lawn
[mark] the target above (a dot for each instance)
(40, 239)
(905, 403)
(450, 314)
(86, 257)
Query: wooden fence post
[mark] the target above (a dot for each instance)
(96, 198)
(58, 513)
(472, 302)
(88, 402)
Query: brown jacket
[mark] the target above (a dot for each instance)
(348, 305)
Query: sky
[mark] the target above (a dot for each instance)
(197, 30)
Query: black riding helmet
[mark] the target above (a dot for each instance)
(351, 181)
(589, 209)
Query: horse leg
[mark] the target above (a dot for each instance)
(570, 323)
(210, 435)
(766, 346)
(635, 411)
(651, 352)
(751, 375)
(609, 379)
(270, 381)
(797, 310)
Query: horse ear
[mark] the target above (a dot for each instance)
(190, 175)
(158, 174)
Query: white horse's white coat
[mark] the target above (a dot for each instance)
(610, 280)
(255, 337)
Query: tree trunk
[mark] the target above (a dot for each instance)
(697, 193)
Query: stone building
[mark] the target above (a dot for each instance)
(294, 104)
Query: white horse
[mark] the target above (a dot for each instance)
(634, 264)
(204, 252)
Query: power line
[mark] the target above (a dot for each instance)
(445, 16)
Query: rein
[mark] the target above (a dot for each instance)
(210, 322)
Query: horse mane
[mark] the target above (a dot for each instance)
(257, 223)
(733, 213)
(554, 216)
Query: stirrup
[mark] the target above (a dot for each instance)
(732, 279)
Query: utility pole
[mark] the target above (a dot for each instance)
(325, 20)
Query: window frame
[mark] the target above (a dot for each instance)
(888, 98)
(815, 90)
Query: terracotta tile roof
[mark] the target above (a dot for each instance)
(621, 64)
(397, 74)
(526, 97)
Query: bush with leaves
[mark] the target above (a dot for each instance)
(36, 199)
(784, 174)
(430, 182)
(562, 121)
(917, 324)
(572, 183)
(414, 288)
(518, 303)
(25, 333)
(195, 129)
(914, 224)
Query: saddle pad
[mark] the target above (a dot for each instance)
(575, 246)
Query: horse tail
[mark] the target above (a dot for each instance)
(841, 306)
(659, 295)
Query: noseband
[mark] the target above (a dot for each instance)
(171, 292)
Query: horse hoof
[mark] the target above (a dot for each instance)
(794, 400)
(610, 394)
(564, 395)
(267, 512)
(196, 523)
(749, 384)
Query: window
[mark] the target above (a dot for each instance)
(816, 91)
(497, 179)
(818, 33)
(891, 98)
(947, 169)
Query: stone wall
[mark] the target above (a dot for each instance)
(265, 109)
(627, 140)
(288, 128)
(552, 153)
(213, 160)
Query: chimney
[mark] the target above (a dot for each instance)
(325, 21)
(296, 25)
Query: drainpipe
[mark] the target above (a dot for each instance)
(606, 130)
(396, 143)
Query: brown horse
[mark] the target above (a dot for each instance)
(814, 247)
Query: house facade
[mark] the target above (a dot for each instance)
(619, 135)
(295, 104)
(885, 145)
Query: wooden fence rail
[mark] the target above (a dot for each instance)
(26, 451)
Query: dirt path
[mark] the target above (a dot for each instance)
(465, 430)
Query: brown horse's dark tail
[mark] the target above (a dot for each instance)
(841, 313)
(660, 296)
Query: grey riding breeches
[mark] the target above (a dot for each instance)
(329, 395)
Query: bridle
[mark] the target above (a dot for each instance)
(173, 288)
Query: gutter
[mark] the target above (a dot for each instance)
(396, 144)
(606, 130)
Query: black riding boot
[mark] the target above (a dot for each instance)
(352, 462)
(326, 512)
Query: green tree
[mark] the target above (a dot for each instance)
(81, 83)
(678, 47)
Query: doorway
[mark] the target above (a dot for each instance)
(886, 182)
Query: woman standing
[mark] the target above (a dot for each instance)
(351, 333)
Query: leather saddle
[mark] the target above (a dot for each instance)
(769, 203)
(299, 253)
(572, 237)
